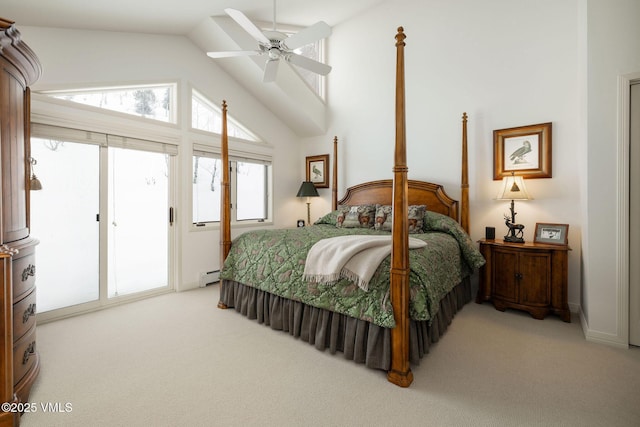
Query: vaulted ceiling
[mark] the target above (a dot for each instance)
(206, 24)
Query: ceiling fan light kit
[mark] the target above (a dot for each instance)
(276, 45)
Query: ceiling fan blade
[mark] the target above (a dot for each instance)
(309, 64)
(233, 53)
(317, 31)
(248, 26)
(270, 70)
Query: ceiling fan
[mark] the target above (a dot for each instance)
(276, 45)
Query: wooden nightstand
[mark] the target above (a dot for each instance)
(525, 276)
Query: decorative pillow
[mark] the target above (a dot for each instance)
(330, 218)
(383, 218)
(415, 217)
(358, 216)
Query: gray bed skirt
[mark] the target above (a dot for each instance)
(358, 340)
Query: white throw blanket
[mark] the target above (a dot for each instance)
(352, 257)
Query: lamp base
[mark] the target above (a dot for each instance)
(513, 239)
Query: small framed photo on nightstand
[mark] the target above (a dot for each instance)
(555, 234)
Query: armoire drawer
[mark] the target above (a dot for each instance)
(24, 315)
(24, 274)
(24, 355)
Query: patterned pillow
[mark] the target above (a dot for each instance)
(383, 218)
(329, 218)
(358, 216)
(415, 216)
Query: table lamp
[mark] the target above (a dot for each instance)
(513, 188)
(308, 189)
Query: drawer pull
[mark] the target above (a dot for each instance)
(30, 311)
(29, 271)
(28, 352)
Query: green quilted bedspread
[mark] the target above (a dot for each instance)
(273, 261)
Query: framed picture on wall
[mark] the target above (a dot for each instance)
(524, 151)
(318, 170)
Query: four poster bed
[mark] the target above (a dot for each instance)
(388, 320)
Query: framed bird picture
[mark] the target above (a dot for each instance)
(524, 151)
(318, 170)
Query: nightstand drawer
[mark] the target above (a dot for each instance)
(24, 315)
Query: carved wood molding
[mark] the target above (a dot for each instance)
(14, 50)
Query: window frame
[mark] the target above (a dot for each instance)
(235, 156)
(172, 86)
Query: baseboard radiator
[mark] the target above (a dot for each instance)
(209, 277)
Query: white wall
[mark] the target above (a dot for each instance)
(506, 63)
(82, 58)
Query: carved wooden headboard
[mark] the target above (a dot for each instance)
(420, 193)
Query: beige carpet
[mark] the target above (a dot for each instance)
(177, 360)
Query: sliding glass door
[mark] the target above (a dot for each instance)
(102, 219)
(63, 218)
(138, 219)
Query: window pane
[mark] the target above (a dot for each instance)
(205, 116)
(63, 218)
(252, 191)
(206, 189)
(153, 102)
(313, 51)
(138, 221)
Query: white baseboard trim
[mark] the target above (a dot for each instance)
(601, 337)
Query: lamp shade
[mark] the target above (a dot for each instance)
(513, 188)
(307, 189)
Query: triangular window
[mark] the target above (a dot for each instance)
(207, 116)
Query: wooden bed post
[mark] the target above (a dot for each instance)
(334, 184)
(464, 184)
(400, 372)
(225, 198)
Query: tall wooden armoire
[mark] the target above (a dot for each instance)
(19, 363)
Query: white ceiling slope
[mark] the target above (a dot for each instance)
(206, 24)
(172, 16)
(288, 97)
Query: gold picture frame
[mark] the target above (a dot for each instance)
(318, 170)
(522, 151)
